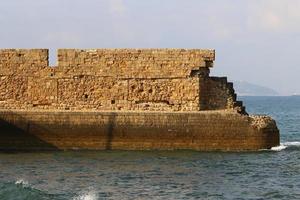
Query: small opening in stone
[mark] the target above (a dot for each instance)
(113, 102)
(52, 57)
(150, 90)
(86, 96)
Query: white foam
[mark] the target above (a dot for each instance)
(22, 182)
(90, 195)
(285, 145)
(278, 148)
(295, 143)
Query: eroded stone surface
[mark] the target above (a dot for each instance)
(205, 131)
(123, 99)
(262, 121)
(113, 79)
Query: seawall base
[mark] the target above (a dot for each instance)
(22, 130)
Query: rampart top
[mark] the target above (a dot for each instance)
(123, 63)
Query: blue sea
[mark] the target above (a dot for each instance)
(89, 175)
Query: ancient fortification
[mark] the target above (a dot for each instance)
(123, 99)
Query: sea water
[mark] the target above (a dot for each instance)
(76, 175)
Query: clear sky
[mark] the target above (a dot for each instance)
(255, 40)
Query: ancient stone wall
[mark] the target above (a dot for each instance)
(89, 101)
(207, 130)
(133, 63)
(23, 62)
(218, 94)
(113, 79)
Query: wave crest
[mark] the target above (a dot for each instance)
(22, 189)
(22, 182)
(89, 195)
(286, 145)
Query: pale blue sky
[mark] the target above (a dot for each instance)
(255, 40)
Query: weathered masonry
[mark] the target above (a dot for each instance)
(123, 99)
(113, 79)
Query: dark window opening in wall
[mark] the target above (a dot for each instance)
(113, 101)
(86, 96)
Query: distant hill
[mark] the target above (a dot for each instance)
(243, 88)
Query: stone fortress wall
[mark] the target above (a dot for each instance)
(126, 99)
(114, 79)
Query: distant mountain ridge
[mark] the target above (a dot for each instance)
(243, 88)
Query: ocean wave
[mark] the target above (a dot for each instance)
(278, 148)
(21, 189)
(87, 195)
(22, 182)
(295, 143)
(286, 145)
